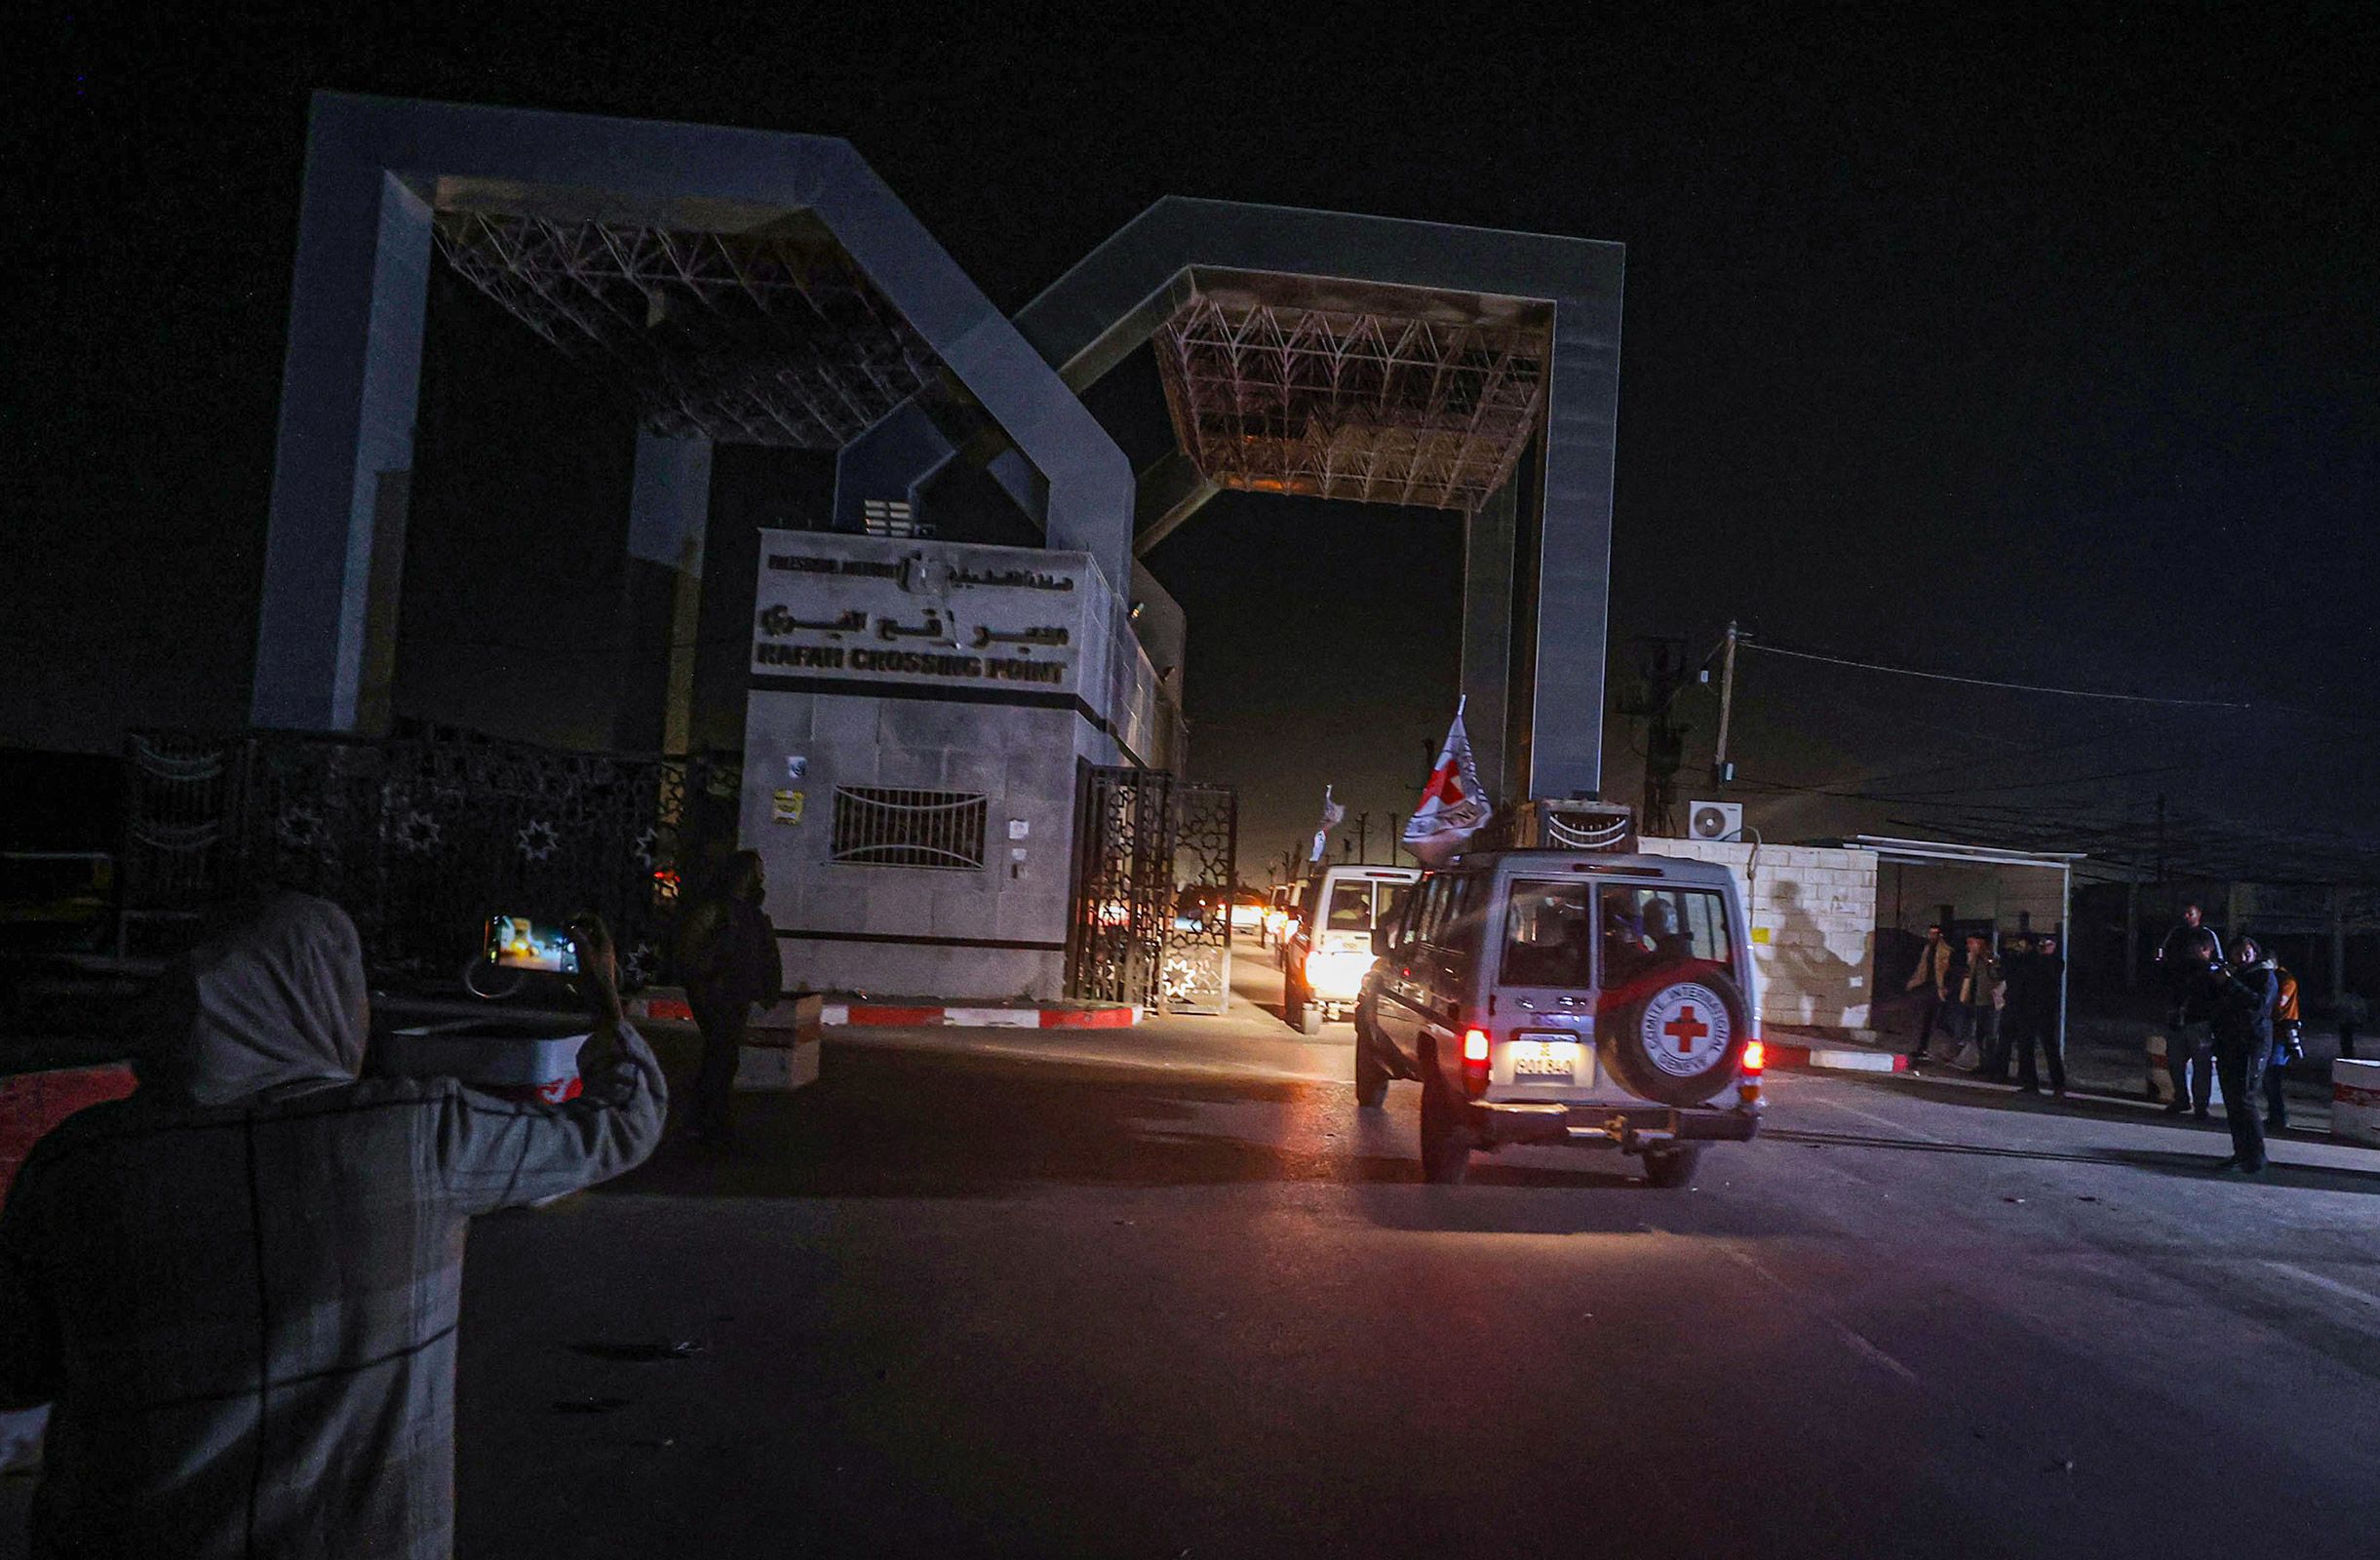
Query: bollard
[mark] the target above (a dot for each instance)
(2161, 1082)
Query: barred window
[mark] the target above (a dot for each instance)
(877, 826)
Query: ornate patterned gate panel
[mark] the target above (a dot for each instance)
(1205, 839)
(1154, 868)
(1122, 885)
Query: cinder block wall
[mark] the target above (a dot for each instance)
(1813, 910)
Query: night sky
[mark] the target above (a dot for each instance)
(2030, 350)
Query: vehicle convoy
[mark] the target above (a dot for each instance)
(1329, 946)
(1280, 911)
(1566, 997)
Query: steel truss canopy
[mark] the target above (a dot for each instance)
(1288, 385)
(761, 333)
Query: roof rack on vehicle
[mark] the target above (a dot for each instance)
(1541, 824)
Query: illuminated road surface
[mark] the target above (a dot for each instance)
(963, 1303)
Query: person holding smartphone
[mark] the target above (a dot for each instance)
(239, 1288)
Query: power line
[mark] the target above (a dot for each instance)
(1992, 683)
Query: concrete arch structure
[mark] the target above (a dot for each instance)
(378, 171)
(1536, 554)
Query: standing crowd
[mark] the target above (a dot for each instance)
(2232, 1018)
(1996, 1005)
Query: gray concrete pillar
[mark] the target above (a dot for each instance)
(668, 513)
(342, 469)
(1487, 633)
(1573, 553)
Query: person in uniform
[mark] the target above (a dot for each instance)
(2189, 1061)
(2045, 981)
(726, 958)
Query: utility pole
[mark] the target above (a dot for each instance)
(1363, 839)
(1661, 676)
(1721, 771)
(2161, 837)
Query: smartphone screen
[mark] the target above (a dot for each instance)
(516, 942)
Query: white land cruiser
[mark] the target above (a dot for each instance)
(1567, 996)
(1329, 946)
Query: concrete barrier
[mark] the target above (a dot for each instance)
(781, 1047)
(2355, 1102)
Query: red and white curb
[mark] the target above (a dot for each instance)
(1835, 1059)
(844, 1015)
(667, 1006)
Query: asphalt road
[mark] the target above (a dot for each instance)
(1169, 1293)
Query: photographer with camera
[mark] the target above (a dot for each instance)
(240, 1288)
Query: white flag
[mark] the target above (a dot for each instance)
(1454, 804)
(1333, 814)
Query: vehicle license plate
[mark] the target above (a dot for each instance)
(1543, 1061)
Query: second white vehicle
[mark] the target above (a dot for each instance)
(1329, 950)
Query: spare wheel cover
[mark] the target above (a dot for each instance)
(1684, 1029)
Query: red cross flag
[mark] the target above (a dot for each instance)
(1454, 804)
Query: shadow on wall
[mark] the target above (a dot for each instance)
(1808, 982)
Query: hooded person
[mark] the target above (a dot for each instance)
(239, 1287)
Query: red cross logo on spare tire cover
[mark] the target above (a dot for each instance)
(1684, 1029)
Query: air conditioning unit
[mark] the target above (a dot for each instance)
(1714, 820)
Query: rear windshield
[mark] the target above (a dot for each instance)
(1360, 906)
(1549, 934)
(1546, 941)
(1649, 929)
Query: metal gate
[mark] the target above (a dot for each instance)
(1155, 869)
(420, 837)
(1197, 968)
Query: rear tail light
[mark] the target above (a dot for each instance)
(1475, 1061)
(1755, 1056)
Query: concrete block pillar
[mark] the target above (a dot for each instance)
(1487, 633)
(668, 513)
(1574, 552)
(342, 469)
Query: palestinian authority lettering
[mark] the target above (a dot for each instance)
(867, 567)
(909, 663)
